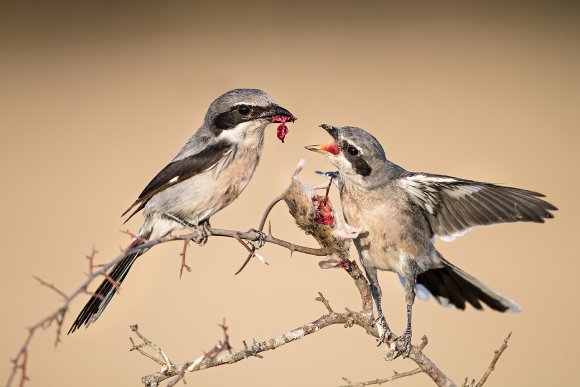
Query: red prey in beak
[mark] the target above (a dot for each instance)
(282, 128)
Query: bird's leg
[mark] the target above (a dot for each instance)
(381, 323)
(202, 229)
(405, 338)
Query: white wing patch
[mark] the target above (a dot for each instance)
(426, 191)
(423, 191)
(451, 238)
(461, 191)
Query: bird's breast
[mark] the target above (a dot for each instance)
(233, 177)
(388, 234)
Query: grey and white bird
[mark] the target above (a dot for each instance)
(209, 172)
(401, 213)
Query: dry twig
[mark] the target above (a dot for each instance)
(19, 362)
(363, 318)
(217, 356)
(183, 264)
(396, 375)
(496, 357)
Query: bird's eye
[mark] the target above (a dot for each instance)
(244, 110)
(352, 151)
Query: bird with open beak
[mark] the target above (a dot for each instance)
(400, 214)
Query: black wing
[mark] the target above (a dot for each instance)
(180, 170)
(455, 205)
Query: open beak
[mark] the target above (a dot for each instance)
(330, 147)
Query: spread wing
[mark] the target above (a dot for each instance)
(455, 205)
(180, 170)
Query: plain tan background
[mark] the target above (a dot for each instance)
(96, 98)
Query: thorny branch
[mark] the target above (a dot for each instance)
(217, 356)
(363, 318)
(491, 367)
(167, 365)
(261, 228)
(19, 362)
(396, 375)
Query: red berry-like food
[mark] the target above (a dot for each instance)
(282, 128)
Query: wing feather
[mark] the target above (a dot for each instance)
(180, 170)
(452, 205)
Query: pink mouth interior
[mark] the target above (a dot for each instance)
(282, 128)
(331, 147)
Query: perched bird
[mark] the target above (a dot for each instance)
(400, 214)
(208, 173)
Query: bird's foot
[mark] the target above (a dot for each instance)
(202, 234)
(400, 347)
(261, 241)
(385, 332)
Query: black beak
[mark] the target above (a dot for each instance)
(280, 111)
(333, 131)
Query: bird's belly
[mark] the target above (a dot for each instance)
(388, 238)
(199, 197)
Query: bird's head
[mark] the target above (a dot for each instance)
(242, 113)
(355, 152)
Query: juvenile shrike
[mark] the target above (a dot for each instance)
(402, 212)
(208, 173)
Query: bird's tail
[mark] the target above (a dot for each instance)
(106, 290)
(451, 285)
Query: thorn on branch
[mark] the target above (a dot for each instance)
(162, 358)
(496, 357)
(183, 264)
(251, 250)
(180, 376)
(50, 286)
(321, 298)
(91, 258)
(424, 342)
(220, 346)
(138, 239)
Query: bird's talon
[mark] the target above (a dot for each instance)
(384, 330)
(261, 241)
(202, 236)
(403, 345)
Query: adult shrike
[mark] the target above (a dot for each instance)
(402, 212)
(208, 173)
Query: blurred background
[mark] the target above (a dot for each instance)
(96, 97)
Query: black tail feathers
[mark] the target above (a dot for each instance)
(451, 285)
(104, 293)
